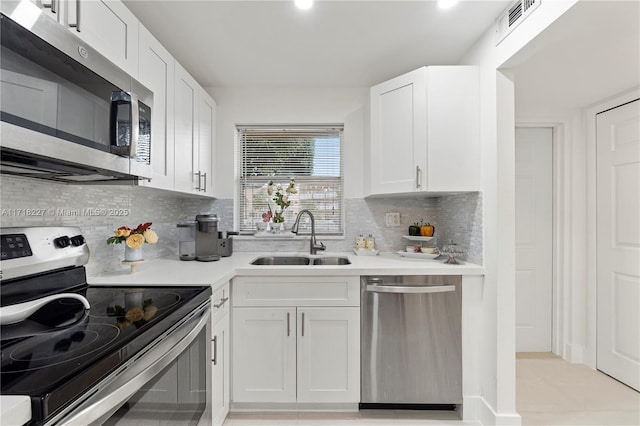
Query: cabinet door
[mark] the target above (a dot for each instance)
(220, 371)
(109, 27)
(328, 354)
(398, 135)
(264, 355)
(185, 113)
(157, 74)
(206, 141)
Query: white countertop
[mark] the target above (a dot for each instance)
(172, 271)
(14, 410)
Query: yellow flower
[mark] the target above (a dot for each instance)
(122, 232)
(150, 236)
(135, 241)
(134, 314)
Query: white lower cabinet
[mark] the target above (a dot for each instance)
(220, 355)
(295, 354)
(328, 349)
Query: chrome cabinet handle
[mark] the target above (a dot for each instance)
(51, 6)
(407, 289)
(198, 188)
(418, 176)
(215, 350)
(303, 324)
(204, 189)
(77, 24)
(222, 302)
(288, 324)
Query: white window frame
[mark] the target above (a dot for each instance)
(324, 208)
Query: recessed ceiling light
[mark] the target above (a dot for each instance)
(447, 4)
(304, 4)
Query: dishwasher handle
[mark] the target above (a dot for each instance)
(411, 289)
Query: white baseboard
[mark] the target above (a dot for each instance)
(574, 354)
(475, 408)
(293, 406)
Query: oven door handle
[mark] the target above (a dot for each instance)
(131, 377)
(15, 313)
(411, 289)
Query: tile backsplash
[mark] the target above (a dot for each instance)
(99, 209)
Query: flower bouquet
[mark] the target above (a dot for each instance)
(134, 238)
(281, 198)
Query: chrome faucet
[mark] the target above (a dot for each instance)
(314, 247)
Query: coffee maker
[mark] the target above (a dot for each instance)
(207, 237)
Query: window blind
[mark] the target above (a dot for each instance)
(312, 156)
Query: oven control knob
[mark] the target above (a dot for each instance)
(78, 240)
(62, 242)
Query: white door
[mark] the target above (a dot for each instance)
(618, 242)
(534, 227)
(264, 355)
(329, 355)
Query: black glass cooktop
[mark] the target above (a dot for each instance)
(63, 350)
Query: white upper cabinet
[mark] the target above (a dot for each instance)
(425, 132)
(52, 8)
(194, 135)
(186, 137)
(106, 25)
(109, 27)
(157, 74)
(206, 142)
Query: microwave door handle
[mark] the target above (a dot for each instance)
(135, 126)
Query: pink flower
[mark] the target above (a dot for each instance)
(266, 216)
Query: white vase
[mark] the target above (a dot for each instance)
(132, 255)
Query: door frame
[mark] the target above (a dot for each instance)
(592, 283)
(560, 134)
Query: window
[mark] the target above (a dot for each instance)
(310, 155)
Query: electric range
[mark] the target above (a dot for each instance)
(61, 338)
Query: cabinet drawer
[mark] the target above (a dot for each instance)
(220, 302)
(296, 291)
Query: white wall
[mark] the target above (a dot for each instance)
(497, 357)
(290, 106)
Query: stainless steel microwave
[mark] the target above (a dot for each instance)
(66, 112)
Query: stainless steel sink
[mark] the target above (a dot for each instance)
(301, 260)
(281, 260)
(331, 260)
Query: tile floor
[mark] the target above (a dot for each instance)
(550, 392)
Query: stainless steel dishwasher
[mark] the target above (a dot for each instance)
(411, 349)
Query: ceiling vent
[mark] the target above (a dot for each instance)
(513, 16)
